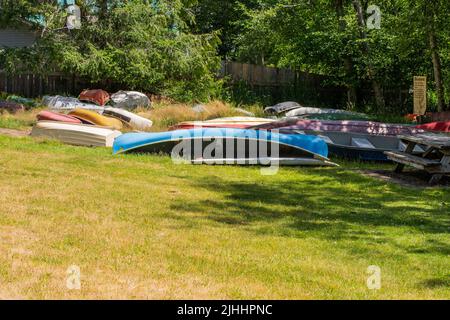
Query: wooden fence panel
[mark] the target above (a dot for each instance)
(273, 84)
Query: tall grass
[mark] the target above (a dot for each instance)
(166, 114)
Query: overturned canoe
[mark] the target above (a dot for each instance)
(54, 116)
(233, 146)
(308, 110)
(365, 127)
(442, 126)
(130, 119)
(92, 117)
(76, 134)
(232, 122)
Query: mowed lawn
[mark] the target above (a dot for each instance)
(143, 227)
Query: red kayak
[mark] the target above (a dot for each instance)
(436, 126)
(53, 116)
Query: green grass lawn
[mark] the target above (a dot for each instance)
(142, 227)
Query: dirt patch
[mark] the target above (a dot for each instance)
(412, 178)
(14, 133)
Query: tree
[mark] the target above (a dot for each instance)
(333, 39)
(222, 17)
(136, 44)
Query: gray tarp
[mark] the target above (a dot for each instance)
(130, 100)
(61, 103)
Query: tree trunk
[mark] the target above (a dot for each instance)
(348, 63)
(378, 91)
(437, 66)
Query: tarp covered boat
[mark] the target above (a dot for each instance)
(130, 100)
(443, 126)
(363, 140)
(61, 103)
(92, 117)
(232, 122)
(281, 108)
(228, 146)
(76, 134)
(54, 116)
(336, 117)
(132, 120)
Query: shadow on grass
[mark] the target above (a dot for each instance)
(436, 283)
(328, 204)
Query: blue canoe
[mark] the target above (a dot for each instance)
(209, 146)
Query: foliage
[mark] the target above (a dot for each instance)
(134, 44)
(223, 17)
(316, 36)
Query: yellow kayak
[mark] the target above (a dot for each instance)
(95, 118)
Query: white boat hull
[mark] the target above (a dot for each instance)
(76, 134)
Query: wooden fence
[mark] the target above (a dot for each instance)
(249, 83)
(275, 85)
(29, 85)
(254, 75)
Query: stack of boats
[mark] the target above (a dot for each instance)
(89, 122)
(362, 140)
(305, 136)
(229, 146)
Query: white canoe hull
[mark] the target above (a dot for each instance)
(131, 119)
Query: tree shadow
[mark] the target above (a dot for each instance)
(320, 206)
(436, 283)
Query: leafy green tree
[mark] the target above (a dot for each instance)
(332, 38)
(223, 17)
(142, 45)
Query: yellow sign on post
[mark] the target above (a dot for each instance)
(420, 95)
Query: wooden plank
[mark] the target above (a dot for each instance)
(410, 159)
(428, 139)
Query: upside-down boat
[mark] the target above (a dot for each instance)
(442, 126)
(302, 111)
(131, 119)
(232, 122)
(54, 116)
(363, 140)
(92, 117)
(229, 146)
(76, 134)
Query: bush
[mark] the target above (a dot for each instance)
(135, 45)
